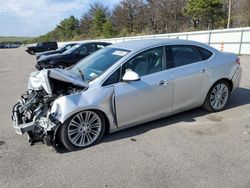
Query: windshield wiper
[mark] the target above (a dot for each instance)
(81, 74)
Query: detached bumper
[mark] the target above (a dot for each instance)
(23, 128)
(19, 127)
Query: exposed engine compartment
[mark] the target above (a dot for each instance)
(32, 113)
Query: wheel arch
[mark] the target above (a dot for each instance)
(107, 121)
(230, 83)
(206, 104)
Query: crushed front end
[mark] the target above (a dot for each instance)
(31, 114)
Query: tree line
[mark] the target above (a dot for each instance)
(139, 17)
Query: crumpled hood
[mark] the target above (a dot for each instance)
(41, 79)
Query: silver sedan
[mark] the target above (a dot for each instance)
(123, 85)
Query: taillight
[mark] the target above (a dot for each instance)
(238, 60)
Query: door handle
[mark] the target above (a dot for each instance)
(204, 70)
(163, 83)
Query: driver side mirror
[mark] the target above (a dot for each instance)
(130, 76)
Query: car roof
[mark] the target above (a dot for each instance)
(136, 45)
(93, 42)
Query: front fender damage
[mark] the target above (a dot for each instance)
(93, 99)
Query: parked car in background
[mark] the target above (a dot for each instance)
(9, 45)
(57, 51)
(2, 46)
(123, 85)
(70, 56)
(41, 47)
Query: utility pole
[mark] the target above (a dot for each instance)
(229, 13)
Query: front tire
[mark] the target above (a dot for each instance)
(31, 52)
(84, 129)
(217, 97)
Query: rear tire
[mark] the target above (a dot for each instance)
(217, 97)
(84, 129)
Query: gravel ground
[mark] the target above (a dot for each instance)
(190, 149)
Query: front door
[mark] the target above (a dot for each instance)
(148, 98)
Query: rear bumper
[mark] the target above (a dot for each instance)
(237, 78)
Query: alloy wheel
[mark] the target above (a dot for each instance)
(219, 96)
(84, 128)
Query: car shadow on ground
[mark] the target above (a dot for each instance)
(240, 97)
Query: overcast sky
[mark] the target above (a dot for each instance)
(37, 17)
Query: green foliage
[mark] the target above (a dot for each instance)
(107, 29)
(99, 20)
(12, 39)
(141, 17)
(205, 13)
(68, 28)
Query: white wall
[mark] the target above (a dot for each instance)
(235, 40)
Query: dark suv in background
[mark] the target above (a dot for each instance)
(70, 56)
(41, 47)
(57, 51)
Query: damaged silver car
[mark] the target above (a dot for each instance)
(123, 85)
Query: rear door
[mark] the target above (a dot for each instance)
(191, 75)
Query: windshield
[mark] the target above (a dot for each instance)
(69, 51)
(61, 48)
(94, 65)
(65, 47)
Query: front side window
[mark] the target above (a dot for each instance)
(147, 62)
(68, 47)
(71, 50)
(90, 48)
(82, 50)
(39, 44)
(184, 55)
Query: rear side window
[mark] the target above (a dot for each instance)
(184, 55)
(205, 54)
(82, 50)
